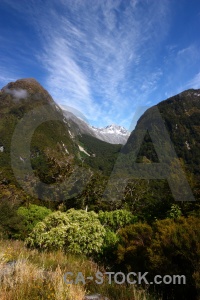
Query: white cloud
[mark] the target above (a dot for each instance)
(96, 51)
(17, 93)
(98, 54)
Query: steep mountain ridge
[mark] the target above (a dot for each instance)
(181, 115)
(57, 147)
(53, 152)
(112, 134)
(56, 153)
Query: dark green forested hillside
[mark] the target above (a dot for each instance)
(181, 116)
(94, 205)
(103, 155)
(54, 154)
(52, 151)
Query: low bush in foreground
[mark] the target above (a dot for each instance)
(75, 231)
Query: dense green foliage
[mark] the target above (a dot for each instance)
(143, 229)
(132, 249)
(49, 158)
(169, 247)
(116, 219)
(10, 221)
(181, 115)
(103, 155)
(31, 216)
(74, 231)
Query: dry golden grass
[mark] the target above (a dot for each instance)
(39, 276)
(35, 275)
(30, 282)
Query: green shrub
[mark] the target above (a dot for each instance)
(116, 219)
(109, 248)
(75, 231)
(31, 216)
(174, 212)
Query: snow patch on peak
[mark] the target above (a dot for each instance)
(112, 129)
(113, 134)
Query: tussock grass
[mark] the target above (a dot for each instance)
(39, 276)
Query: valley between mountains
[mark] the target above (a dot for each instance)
(67, 186)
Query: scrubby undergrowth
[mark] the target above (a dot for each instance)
(39, 275)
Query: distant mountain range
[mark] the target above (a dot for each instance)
(58, 147)
(112, 134)
(70, 164)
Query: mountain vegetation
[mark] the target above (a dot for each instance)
(102, 155)
(81, 196)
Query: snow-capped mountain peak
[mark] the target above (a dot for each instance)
(113, 134)
(112, 129)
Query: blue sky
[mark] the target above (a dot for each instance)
(102, 57)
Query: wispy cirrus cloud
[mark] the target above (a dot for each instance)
(180, 66)
(98, 54)
(103, 57)
(194, 82)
